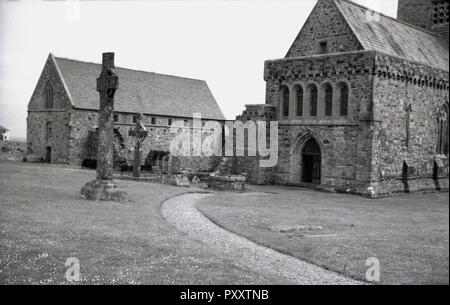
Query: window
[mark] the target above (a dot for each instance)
(440, 12)
(299, 98)
(153, 120)
(285, 101)
(116, 117)
(323, 47)
(328, 100)
(443, 131)
(48, 131)
(135, 118)
(48, 95)
(343, 104)
(313, 100)
(170, 122)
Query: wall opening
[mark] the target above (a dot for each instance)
(311, 162)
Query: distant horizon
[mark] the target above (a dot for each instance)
(191, 39)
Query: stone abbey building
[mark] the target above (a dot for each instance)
(63, 112)
(362, 100)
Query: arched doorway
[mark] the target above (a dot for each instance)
(311, 162)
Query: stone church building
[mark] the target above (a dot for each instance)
(63, 111)
(362, 101)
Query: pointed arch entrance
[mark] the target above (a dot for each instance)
(311, 162)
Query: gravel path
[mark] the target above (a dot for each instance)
(181, 212)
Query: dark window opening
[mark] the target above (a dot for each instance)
(323, 46)
(328, 100)
(153, 121)
(440, 12)
(344, 100)
(48, 130)
(116, 118)
(299, 101)
(313, 101)
(48, 93)
(285, 102)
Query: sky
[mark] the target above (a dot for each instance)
(224, 42)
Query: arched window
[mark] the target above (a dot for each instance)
(313, 100)
(299, 100)
(343, 100)
(285, 101)
(443, 131)
(48, 95)
(328, 100)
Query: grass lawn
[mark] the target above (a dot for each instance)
(43, 221)
(409, 234)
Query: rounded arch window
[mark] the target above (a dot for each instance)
(284, 94)
(313, 95)
(299, 95)
(343, 99)
(328, 100)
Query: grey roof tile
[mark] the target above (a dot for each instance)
(393, 37)
(140, 91)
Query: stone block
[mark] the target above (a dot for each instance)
(103, 190)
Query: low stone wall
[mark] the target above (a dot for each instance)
(12, 151)
(201, 180)
(175, 179)
(227, 183)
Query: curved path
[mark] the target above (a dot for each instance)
(181, 212)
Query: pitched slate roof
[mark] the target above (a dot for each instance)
(393, 37)
(140, 91)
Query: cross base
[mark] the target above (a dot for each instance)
(103, 190)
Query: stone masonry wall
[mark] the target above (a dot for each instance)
(338, 148)
(345, 141)
(353, 68)
(159, 138)
(431, 15)
(400, 85)
(325, 24)
(58, 116)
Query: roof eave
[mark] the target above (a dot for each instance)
(350, 25)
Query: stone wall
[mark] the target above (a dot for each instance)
(431, 15)
(407, 93)
(12, 150)
(339, 145)
(37, 138)
(367, 151)
(159, 139)
(345, 141)
(354, 69)
(325, 24)
(58, 116)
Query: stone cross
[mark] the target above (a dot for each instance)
(104, 187)
(140, 132)
(107, 84)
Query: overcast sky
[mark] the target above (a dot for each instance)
(222, 42)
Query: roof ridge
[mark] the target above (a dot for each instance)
(392, 18)
(134, 70)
